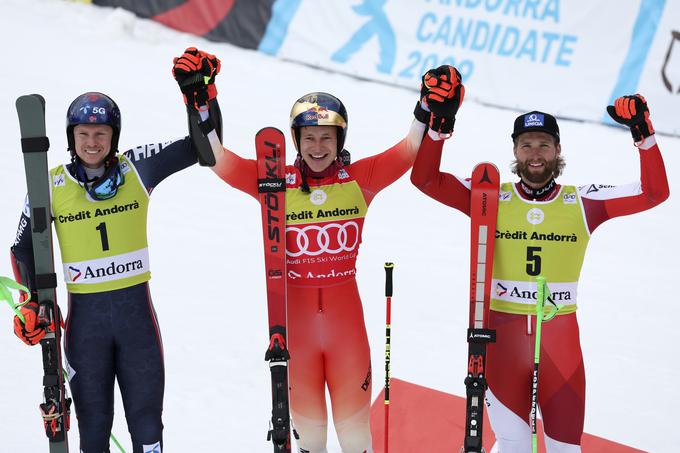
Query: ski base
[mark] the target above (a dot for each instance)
(270, 148)
(483, 215)
(56, 405)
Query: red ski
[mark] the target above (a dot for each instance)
(270, 146)
(483, 214)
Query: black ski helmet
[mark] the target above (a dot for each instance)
(318, 109)
(93, 108)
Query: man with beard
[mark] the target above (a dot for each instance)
(543, 229)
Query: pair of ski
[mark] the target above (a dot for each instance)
(55, 408)
(485, 185)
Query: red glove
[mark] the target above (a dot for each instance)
(195, 73)
(632, 111)
(31, 332)
(444, 94)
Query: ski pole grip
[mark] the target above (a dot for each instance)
(388, 279)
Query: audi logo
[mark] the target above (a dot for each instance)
(313, 240)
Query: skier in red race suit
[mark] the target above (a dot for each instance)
(326, 202)
(543, 229)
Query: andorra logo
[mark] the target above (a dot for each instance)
(500, 290)
(74, 273)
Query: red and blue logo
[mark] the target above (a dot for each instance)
(74, 273)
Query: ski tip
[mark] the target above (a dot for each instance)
(269, 129)
(485, 173)
(28, 99)
(487, 165)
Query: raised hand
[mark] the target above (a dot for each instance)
(632, 111)
(195, 73)
(442, 92)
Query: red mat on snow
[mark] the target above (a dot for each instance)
(426, 420)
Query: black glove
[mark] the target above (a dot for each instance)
(632, 111)
(444, 93)
(195, 73)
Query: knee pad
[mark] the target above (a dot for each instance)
(354, 432)
(513, 434)
(313, 434)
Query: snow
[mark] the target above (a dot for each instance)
(206, 251)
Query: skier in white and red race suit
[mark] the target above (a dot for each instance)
(327, 199)
(543, 229)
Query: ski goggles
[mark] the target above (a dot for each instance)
(106, 186)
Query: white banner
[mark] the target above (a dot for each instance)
(569, 58)
(660, 79)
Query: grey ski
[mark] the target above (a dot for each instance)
(34, 145)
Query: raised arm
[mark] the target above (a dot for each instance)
(602, 202)
(443, 187)
(236, 171)
(195, 73)
(441, 97)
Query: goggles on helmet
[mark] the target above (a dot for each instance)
(106, 186)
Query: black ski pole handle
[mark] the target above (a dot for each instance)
(389, 267)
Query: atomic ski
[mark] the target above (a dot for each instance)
(270, 146)
(483, 215)
(34, 145)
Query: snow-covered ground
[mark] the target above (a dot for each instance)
(206, 250)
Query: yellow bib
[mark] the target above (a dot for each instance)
(547, 238)
(103, 243)
(323, 231)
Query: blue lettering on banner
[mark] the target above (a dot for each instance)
(456, 32)
(533, 9)
(494, 38)
(378, 25)
(565, 50)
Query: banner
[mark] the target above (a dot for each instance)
(565, 57)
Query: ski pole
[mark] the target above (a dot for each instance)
(5, 285)
(389, 267)
(116, 443)
(541, 297)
